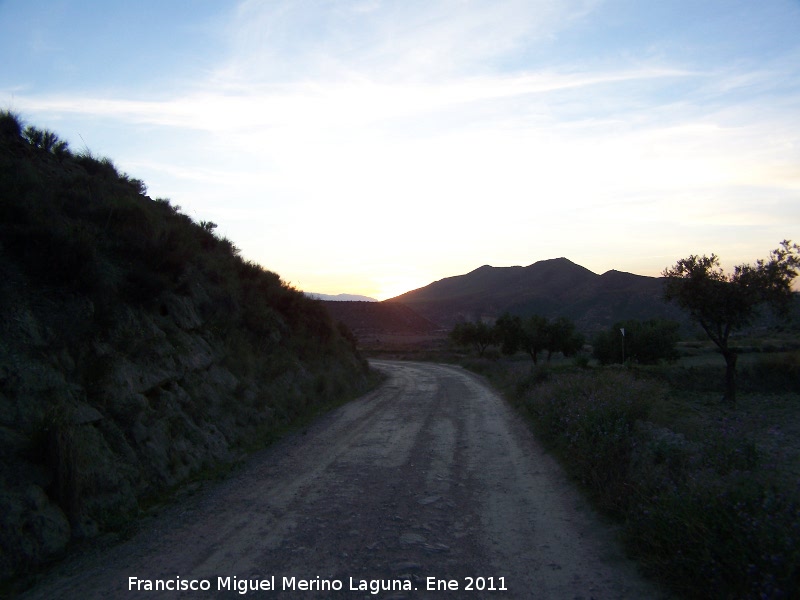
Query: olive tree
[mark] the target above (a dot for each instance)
(722, 303)
(563, 337)
(529, 334)
(535, 334)
(477, 334)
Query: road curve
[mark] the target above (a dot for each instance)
(430, 476)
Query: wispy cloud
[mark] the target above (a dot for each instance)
(387, 41)
(331, 104)
(444, 113)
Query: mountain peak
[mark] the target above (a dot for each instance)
(552, 287)
(561, 262)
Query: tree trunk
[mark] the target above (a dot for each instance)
(730, 376)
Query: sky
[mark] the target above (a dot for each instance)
(374, 146)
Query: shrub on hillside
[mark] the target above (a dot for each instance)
(96, 166)
(10, 125)
(46, 140)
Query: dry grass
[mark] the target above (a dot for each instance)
(707, 494)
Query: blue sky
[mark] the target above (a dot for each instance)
(372, 147)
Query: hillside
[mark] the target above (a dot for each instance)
(552, 288)
(137, 348)
(376, 318)
(340, 297)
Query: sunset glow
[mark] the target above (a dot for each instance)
(372, 147)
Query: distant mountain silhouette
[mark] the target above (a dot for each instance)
(340, 297)
(376, 318)
(552, 288)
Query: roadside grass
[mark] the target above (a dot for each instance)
(707, 495)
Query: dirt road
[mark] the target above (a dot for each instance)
(430, 479)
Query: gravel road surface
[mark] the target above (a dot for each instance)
(430, 482)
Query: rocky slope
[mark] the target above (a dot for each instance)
(137, 349)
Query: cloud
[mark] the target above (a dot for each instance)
(322, 106)
(513, 140)
(442, 115)
(415, 40)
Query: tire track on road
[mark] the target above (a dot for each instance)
(431, 475)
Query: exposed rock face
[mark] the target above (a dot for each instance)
(98, 411)
(136, 347)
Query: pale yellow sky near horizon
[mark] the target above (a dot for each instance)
(373, 147)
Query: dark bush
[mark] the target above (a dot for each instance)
(97, 167)
(46, 140)
(10, 125)
(773, 373)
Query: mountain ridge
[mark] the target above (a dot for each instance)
(340, 297)
(551, 287)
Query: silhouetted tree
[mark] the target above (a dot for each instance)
(563, 337)
(529, 335)
(507, 331)
(722, 303)
(536, 334)
(645, 342)
(477, 334)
